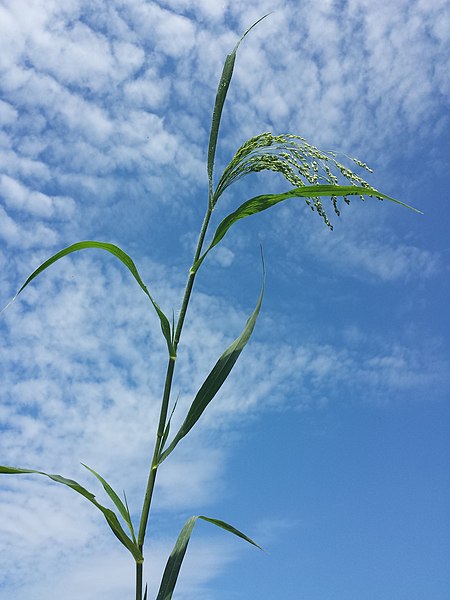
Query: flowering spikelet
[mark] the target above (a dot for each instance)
(299, 162)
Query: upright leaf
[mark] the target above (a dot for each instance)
(221, 94)
(215, 379)
(123, 510)
(109, 515)
(176, 557)
(167, 427)
(260, 203)
(125, 259)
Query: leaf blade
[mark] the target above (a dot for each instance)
(230, 529)
(216, 378)
(175, 560)
(125, 259)
(109, 515)
(221, 94)
(265, 201)
(123, 510)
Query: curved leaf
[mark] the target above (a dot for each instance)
(215, 379)
(221, 94)
(123, 510)
(176, 557)
(109, 515)
(125, 259)
(259, 203)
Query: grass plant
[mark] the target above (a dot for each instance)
(311, 175)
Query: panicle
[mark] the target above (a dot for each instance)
(297, 160)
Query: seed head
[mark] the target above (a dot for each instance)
(299, 162)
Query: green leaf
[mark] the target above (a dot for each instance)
(109, 515)
(129, 516)
(123, 510)
(259, 203)
(221, 94)
(125, 259)
(176, 557)
(167, 427)
(215, 379)
(145, 593)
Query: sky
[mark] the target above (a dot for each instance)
(328, 444)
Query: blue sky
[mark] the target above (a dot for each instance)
(329, 443)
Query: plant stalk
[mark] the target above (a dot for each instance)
(138, 581)
(165, 400)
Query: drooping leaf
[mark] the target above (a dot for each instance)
(125, 259)
(123, 510)
(260, 203)
(176, 557)
(215, 379)
(109, 515)
(221, 95)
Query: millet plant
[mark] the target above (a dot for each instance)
(312, 175)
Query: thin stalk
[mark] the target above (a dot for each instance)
(165, 400)
(190, 281)
(154, 464)
(138, 581)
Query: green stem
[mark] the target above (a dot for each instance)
(190, 281)
(138, 581)
(165, 402)
(154, 465)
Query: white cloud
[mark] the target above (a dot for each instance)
(18, 165)
(361, 244)
(73, 55)
(223, 256)
(201, 8)
(9, 231)
(19, 197)
(25, 236)
(150, 91)
(369, 256)
(8, 114)
(173, 34)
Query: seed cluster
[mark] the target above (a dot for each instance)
(297, 160)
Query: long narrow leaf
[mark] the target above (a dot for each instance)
(109, 515)
(215, 379)
(167, 428)
(176, 557)
(125, 259)
(260, 203)
(123, 510)
(129, 517)
(221, 94)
